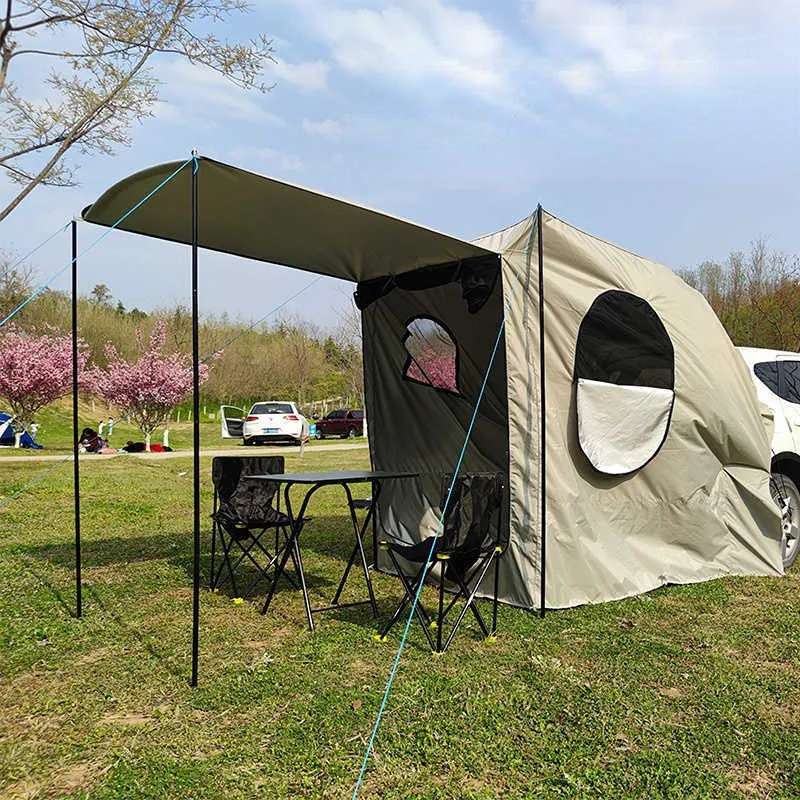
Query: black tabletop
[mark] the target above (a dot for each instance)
(324, 478)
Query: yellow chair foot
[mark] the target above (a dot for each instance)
(491, 638)
(237, 601)
(215, 591)
(434, 625)
(378, 638)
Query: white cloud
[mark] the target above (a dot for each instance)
(310, 76)
(187, 85)
(682, 43)
(327, 128)
(414, 41)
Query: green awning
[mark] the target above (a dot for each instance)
(260, 218)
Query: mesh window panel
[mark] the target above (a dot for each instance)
(432, 355)
(767, 373)
(625, 376)
(623, 341)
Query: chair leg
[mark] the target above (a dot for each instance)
(410, 587)
(469, 604)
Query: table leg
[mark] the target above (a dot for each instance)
(358, 549)
(292, 549)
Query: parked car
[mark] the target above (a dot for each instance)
(267, 422)
(776, 374)
(344, 423)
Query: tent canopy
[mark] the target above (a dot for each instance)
(260, 218)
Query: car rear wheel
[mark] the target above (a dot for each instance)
(352, 433)
(787, 497)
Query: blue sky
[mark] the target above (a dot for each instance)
(670, 127)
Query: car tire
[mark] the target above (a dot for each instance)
(318, 434)
(787, 497)
(246, 442)
(352, 433)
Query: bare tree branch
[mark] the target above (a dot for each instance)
(105, 85)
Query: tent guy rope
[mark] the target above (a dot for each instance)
(396, 664)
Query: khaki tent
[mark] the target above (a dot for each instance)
(618, 409)
(655, 466)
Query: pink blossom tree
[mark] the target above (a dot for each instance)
(148, 389)
(36, 369)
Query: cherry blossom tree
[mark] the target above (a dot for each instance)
(36, 369)
(147, 389)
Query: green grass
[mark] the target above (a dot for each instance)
(687, 692)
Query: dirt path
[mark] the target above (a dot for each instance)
(226, 451)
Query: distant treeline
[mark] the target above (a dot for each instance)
(756, 296)
(290, 359)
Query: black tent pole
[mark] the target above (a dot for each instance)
(196, 431)
(75, 462)
(542, 385)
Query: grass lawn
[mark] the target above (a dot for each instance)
(687, 692)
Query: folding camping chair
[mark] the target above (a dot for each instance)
(471, 539)
(243, 513)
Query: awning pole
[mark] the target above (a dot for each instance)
(75, 462)
(543, 427)
(196, 431)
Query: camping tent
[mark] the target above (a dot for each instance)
(616, 405)
(655, 466)
(8, 434)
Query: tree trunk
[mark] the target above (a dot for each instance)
(147, 442)
(165, 438)
(17, 438)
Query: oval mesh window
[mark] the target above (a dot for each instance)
(625, 375)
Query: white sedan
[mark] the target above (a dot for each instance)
(274, 421)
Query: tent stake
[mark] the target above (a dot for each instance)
(542, 383)
(75, 461)
(196, 432)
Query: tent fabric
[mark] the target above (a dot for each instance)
(620, 428)
(264, 219)
(698, 509)
(8, 434)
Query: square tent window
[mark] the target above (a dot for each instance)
(272, 408)
(767, 373)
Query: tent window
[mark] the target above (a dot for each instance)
(767, 373)
(625, 375)
(432, 355)
(623, 341)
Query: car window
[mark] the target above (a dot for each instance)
(790, 390)
(358, 414)
(272, 408)
(767, 373)
(336, 415)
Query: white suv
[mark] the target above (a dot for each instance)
(776, 374)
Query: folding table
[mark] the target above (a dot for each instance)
(291, 547)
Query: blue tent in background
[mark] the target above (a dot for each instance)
(7, 434)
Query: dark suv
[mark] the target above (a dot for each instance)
(344, 423)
